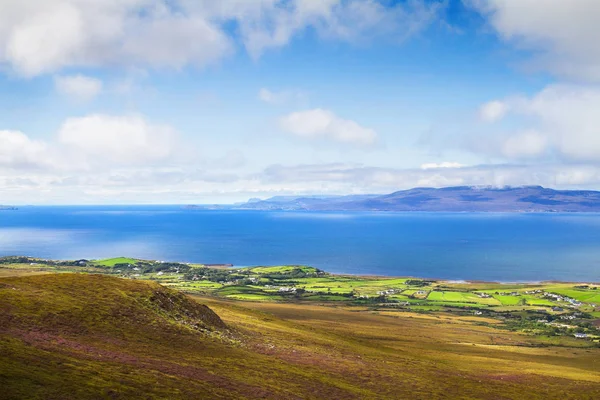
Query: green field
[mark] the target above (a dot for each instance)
(537, 301)
(111, 262)
(281, 269)
(588, 296)
(508, 300)
(461, 297)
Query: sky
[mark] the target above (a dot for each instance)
(199, 101)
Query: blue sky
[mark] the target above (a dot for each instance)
(181, 101)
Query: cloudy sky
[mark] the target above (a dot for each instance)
(202, 101)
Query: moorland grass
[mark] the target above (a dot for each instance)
(89, 336)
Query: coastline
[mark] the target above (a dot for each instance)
(233, 267)
(230, 266)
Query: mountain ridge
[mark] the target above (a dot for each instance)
(447, 199)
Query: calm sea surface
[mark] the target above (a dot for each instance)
(504, 247)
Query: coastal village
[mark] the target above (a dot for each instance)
(551, 309)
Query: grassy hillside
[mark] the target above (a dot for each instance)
(91, 336)
(545, 309)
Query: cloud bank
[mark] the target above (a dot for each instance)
(93, 142)
(560, 32)
(561, 120)
(78, 87)
(41, 37)
(320, 123)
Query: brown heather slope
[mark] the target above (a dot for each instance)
(81, 336)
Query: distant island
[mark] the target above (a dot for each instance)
(450, 199)
(7, 208)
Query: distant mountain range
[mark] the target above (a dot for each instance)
(451, 199)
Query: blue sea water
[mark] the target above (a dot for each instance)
(470, 246)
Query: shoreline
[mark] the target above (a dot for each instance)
(229, 266)
(466, 281)
(186, 207)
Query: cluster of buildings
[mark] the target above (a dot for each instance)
(570, 317)
(537, 291)
(287, 289)
(388, 292)
(509, 293)
(558, 297)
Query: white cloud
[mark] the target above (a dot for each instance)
(345, 178)
(493, 111)
(79, 87)
(40, 37)
(561, 32)
(269, 97)
(89, 145)
(18, 151)
(273, 23)
(123, 140)
(527, 144)
(173, 40)
(445, 164)
(156, 184)
(319, 123)
(353, 20)
(280, 97)
(563, 119)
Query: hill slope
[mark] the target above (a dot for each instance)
(462, 198)
(89, 336)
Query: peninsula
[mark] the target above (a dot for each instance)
(450, 199)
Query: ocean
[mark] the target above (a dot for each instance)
(457, 246)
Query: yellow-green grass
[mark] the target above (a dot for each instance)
(508, 300)
(492, 286)
(199, 266)
(249, 296)
(347, 284)
(6, 272)
(111, 262)
(586, 296)
(439, 307)
(413, 292)
(461, 297)
(244, 293)
(400, 297)
(324, 297)
(537, 301)
(458, 304)
(281, 269)
(406, 345)
(85, 336)
(370, 282)
(202, 284)
(341, 285)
